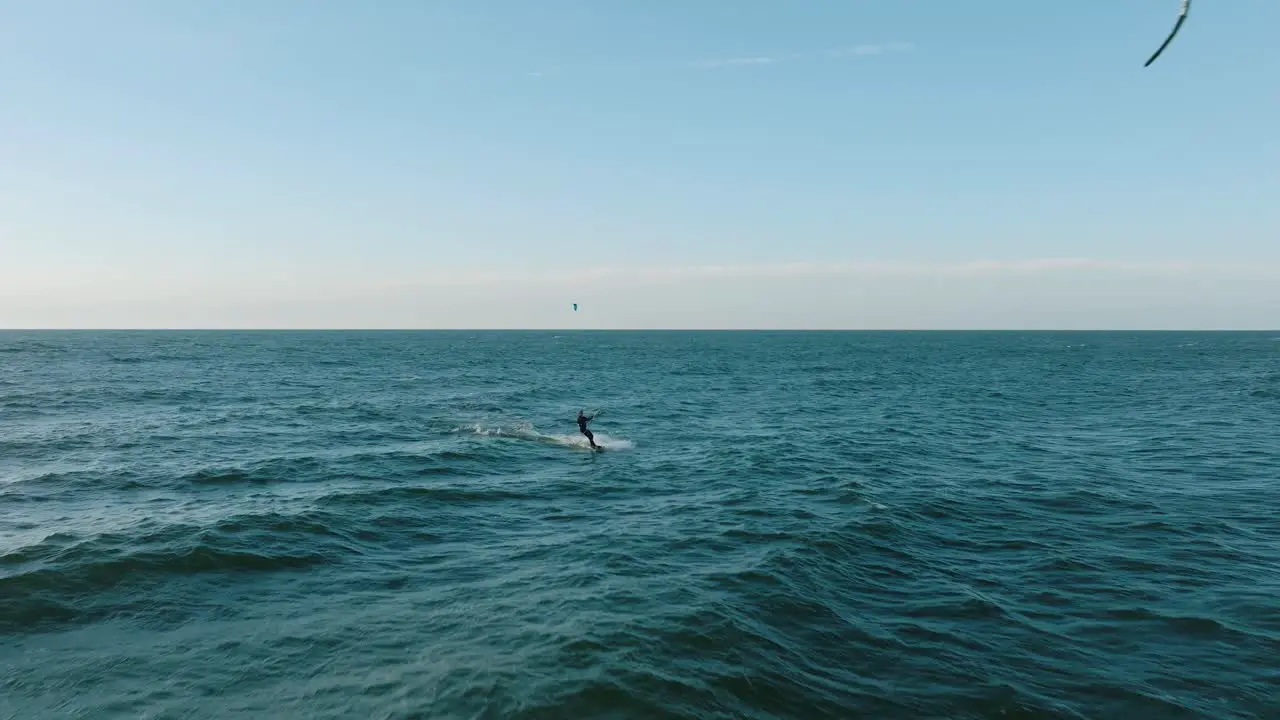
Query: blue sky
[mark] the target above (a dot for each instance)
(472, 163)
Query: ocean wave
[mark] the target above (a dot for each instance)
(303, 468)
(67, 579)
(389, 496)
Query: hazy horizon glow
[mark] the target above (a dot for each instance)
(1044, 294)
(461, 164)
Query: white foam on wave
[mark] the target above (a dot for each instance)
(526, 431)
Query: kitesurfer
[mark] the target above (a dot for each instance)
(583, 419)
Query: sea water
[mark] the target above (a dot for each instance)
(782, 525)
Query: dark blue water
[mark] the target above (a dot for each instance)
(782, 525)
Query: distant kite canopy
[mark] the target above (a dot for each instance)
(575, 307)
(1182, 17)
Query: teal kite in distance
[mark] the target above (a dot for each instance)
(575, 307)
(1182, 17)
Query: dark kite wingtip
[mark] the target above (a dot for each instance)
(1182, 17)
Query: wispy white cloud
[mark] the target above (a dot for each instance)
(856, 50)
(141, 281)
(544, 72)
(865, 50)
(737, 61)
(973, 269)
(746, 61)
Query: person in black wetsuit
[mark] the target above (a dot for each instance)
(582, 428)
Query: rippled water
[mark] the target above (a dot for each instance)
(783, 525)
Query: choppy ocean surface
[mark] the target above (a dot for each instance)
(783, 525)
